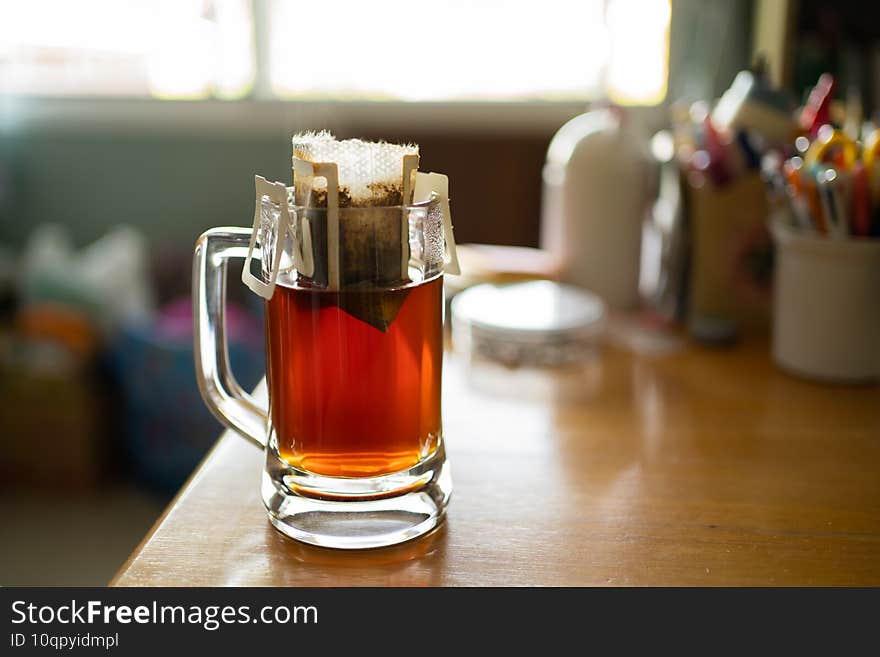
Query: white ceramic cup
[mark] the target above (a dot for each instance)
(826, 311)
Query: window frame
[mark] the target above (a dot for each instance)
(250, 116)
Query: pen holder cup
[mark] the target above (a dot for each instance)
(826, 311)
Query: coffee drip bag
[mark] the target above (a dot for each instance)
(348, 234)
(370, 239)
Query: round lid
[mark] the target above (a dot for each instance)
(529, 311)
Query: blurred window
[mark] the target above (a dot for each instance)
(162, 48)
(429, 50)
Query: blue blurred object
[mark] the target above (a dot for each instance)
(167, 428)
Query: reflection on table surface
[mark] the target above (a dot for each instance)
(686, 467)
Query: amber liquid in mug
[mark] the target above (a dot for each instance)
(346, 398)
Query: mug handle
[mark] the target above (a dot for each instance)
(224, 396)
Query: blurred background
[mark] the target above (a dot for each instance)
(127, 127)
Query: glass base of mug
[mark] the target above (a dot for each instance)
(356, 513)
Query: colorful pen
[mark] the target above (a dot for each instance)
(830, 187)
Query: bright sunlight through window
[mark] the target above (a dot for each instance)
(162, 48)
(431, 50)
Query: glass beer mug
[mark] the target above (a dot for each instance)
(353, 440)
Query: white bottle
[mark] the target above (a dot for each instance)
(597, 186)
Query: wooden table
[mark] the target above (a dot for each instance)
(697, 467)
